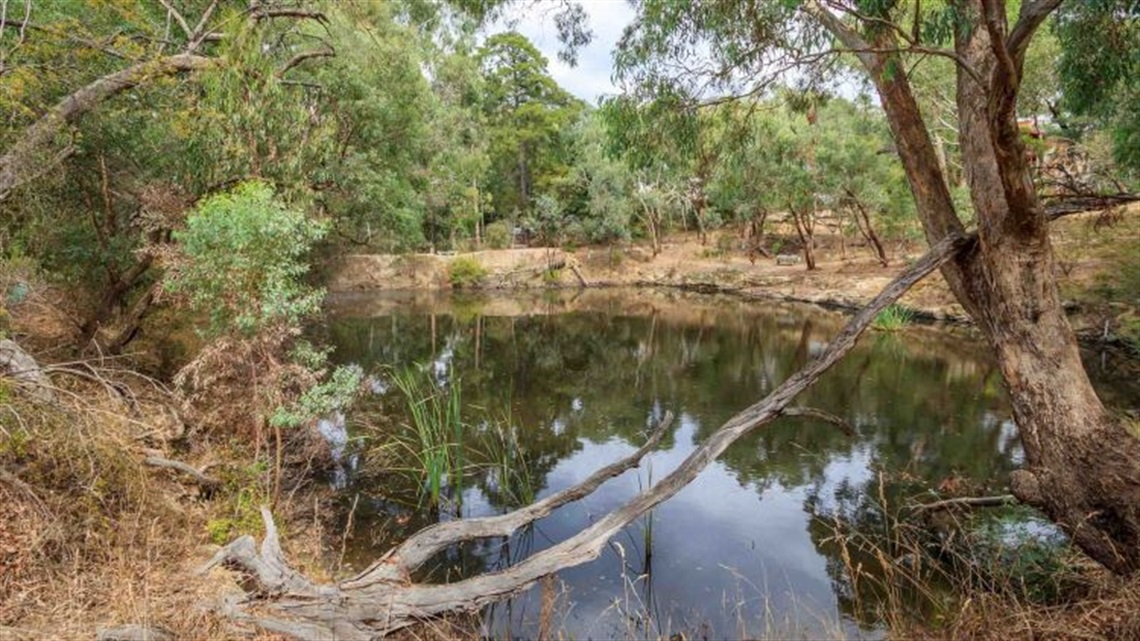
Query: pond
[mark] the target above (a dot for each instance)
(577, 378)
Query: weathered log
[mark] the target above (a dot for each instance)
(207, 482)
(383, 598)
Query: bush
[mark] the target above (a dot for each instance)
(498, 235)
(242, 261)
(466, 273)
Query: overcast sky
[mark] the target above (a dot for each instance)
(591, 77)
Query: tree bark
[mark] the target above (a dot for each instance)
(1082, 465)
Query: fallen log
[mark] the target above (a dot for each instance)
(207, 482)
(383, 598)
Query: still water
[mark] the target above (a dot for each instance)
(744, 551)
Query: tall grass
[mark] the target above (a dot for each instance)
(437, 431)
(893, 318)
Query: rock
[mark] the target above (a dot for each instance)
(19, 365)
(785, 260)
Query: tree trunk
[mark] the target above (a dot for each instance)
(863, 222)
(39, 148)
(1082, 465)
(805, 232)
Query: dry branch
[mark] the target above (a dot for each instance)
(202, 479)
(827, 417)
(383, 599)
(968, 501)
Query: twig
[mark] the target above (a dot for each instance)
(827, 417)
(968, 501)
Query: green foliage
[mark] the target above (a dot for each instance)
(1099, 69)
(498, 235)
(527, 115)
(466, 273)
(322, 399)
(244, 261)
(893, 318)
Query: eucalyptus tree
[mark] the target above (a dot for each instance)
(857, 173)
(1098, 70)
(1080, 459)
(527, 113)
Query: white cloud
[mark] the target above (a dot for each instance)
(591, 77)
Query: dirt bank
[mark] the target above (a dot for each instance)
(1090, 253)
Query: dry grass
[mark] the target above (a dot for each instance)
(939, 575)
(90, 537)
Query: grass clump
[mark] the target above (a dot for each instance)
(466, 273)
(894, 318)
(437, 434)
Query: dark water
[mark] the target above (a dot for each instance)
(744, 551)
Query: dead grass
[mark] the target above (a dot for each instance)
(90, 537)
(938, 575)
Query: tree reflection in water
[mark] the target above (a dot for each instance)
(748, 548)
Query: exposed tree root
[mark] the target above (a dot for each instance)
(383, 598)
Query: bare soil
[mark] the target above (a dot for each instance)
(1091, 250)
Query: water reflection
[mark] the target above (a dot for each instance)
(742, 551)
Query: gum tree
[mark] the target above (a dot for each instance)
(1081, 461)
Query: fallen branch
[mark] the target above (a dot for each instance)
(968, 501)
(420, 547)
(577, 272)
(207, 482)
(383, 599)
(827, 417)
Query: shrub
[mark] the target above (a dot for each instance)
(242, 261)
(498, 235)
(466, 273)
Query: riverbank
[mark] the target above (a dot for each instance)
(1098, 263)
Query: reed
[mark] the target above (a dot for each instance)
(437, 434)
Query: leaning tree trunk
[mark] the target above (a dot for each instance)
(39, 149)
